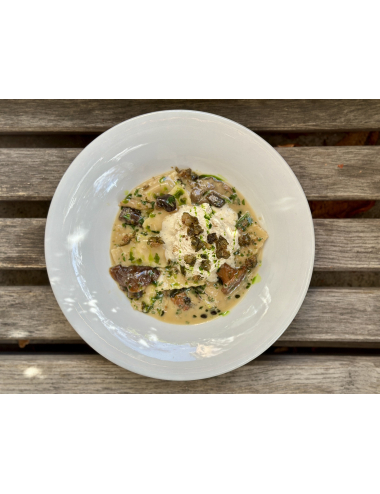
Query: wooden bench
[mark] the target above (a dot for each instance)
(343, 321)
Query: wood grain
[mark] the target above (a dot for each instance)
(267, 374)
(33, 174)
(336, 316)
(328, 317)
(352, 244)
(86, 116)
(22, 243)
(322, 176)
(347, 245)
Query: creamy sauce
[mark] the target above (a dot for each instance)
(203, 289)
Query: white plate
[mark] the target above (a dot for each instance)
(78, 233)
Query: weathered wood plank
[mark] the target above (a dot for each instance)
(22, 243)
(328, 316)
(332, 316)
(262, 115)
(347, 245)
(267, 374)
(336, 173)
(33, 174)
(341, 245)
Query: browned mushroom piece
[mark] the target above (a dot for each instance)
(136, 295)
(197, 196)
(187, 219)
(127, 238)
(197, 278)
(190, 259)
(205, 265)
(193, 223)
(166, 202)
(155, 241)
(215, 200)
(183, 270)
(194, 229)
(210, 190)
(212, 237)
(222, 248)
(134, 278)
(251, 262)
(181, 299)
(231, 277)
(197, 244)
(245, 240)
(130, 216)
(187, 174)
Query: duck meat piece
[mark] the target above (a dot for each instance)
(181, 299)
(167, 202)
(231, 277)
(134, 278)
(245, 240)
(222, 248)
(130, 216)
(155, 241)
(212, 238)
(190, 259)
(215, 200)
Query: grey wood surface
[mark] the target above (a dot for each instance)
(263, 115)
(267, 374)
(22, 243)
(33, 174)
(347, 244)
(328, 317)
(322, 176)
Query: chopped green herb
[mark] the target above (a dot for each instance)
(156, 258)
(162, 179)
(224, 313)
(127, 198)
(179, 193)
(217, 177)
(244, 221)
(243, 202)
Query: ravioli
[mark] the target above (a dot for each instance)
(196, 242)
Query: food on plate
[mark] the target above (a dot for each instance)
(185, 248)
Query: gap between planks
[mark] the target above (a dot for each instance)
(266, 374)
(328, 316)
(86, 116)
(34, 174)
(341, 245)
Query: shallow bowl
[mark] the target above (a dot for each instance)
(78, 230)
